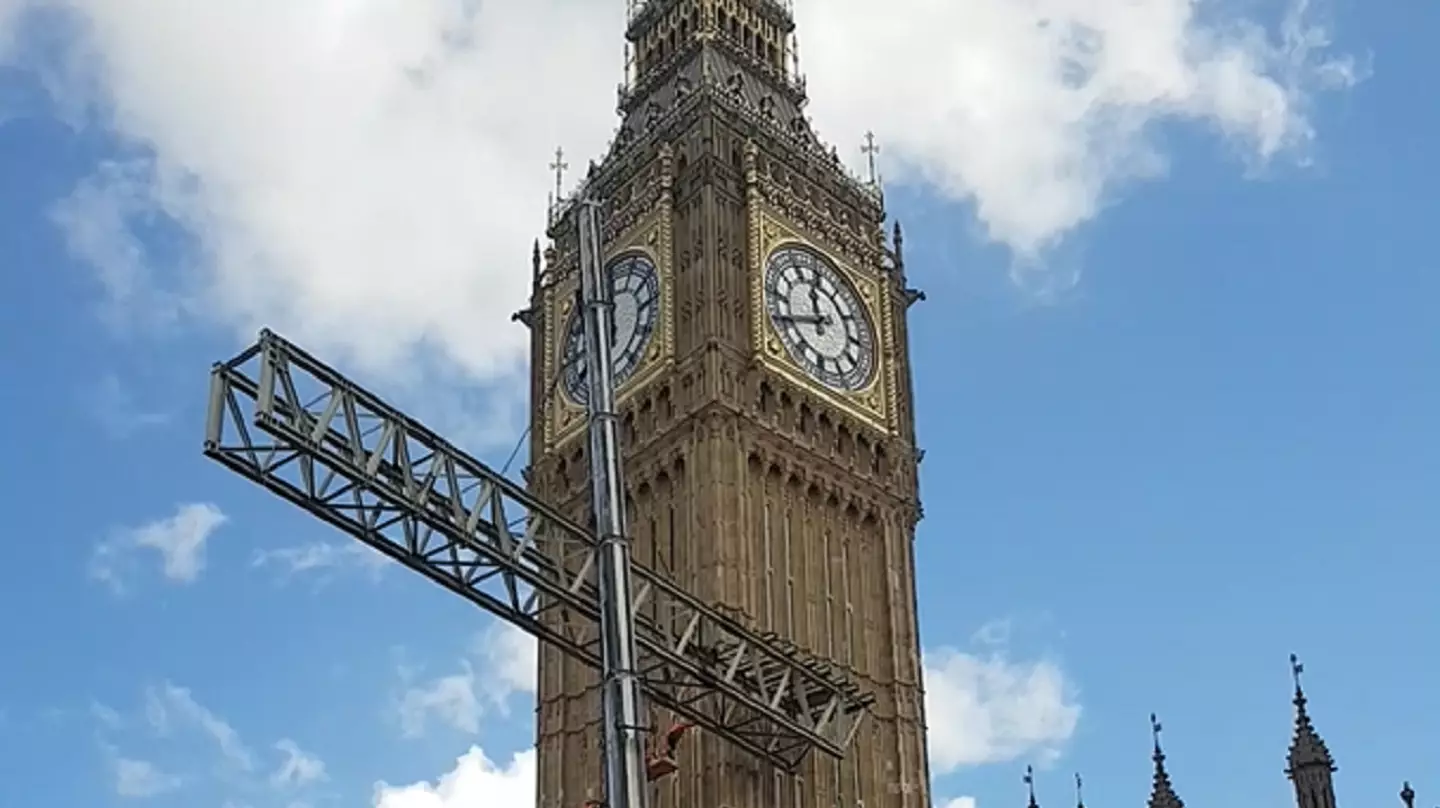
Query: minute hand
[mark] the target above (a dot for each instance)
(813, 319)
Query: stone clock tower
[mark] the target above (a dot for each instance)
(764, 384)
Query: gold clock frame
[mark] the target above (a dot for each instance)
(652, 238)
(870, 404)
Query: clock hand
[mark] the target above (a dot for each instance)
(815, 309)
(813, 319)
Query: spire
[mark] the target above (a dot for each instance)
(758, 34)
(1030, 786)
(736, 53)
(526, 316)
(1162, 794)
(1310, 765)
(1079, 791)
(1307, 750)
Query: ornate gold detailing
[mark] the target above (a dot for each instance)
(785, 138)
(664, 41)
(651, 237)
(872, 404)
(549, 360)
(890, 343)
(807, 203)
(637, 202)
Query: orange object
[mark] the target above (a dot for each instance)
(659, 764)
(657, 767)
(672, 738)
(663, 762)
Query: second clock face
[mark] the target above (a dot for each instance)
(819, 318)
(636, 313)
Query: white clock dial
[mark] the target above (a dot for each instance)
(819, 318)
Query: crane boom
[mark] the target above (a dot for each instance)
(286, 421)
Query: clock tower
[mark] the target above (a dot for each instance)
(763, 383)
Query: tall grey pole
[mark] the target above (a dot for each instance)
(621, 733)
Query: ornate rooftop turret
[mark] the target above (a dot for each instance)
(1310, 765)
(1162, 793)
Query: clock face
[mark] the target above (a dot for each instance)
(636, 313)
(819, 318)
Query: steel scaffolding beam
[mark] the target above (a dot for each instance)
(286, 421)
(622, 733)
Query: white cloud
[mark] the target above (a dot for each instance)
(186, 736)
(9, 17)
(475, 780)
(367, 177)
(107, 716)
(990, 709)
(170, 708)
(179, 539)
(299, 768)
(501, 664)
(322, 556)
(961, 802)
(117, 412)
(995, 632)
(141, 778)
(511, 657)
(100, 219)
(449, 700)
(1035, 111)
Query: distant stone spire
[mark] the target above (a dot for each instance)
(526, 316)
(1030, 786)
(1162, 793)
(1310, 764)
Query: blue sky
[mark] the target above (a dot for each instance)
(1196, 436)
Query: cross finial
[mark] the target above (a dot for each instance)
(1296, 668)
(559, 167)
(1155, 728)
(871, 149)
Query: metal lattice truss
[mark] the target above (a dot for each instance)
(284, 420)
